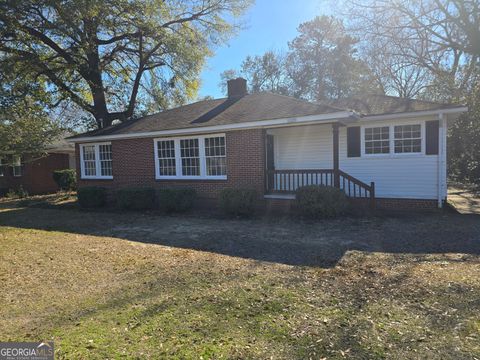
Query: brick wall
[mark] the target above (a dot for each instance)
(37, 175)
(134, 165)
(287, 205)
(406, 204)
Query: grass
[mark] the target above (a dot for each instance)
(74, 277)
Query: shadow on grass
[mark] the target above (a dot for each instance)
(286, 241)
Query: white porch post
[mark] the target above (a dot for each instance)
(442, 159)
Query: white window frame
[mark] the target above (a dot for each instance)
(176, 149)
(422, 137)
(178, 158)
(98, 167)
(224, 156)
(391, 138)
(14, 166)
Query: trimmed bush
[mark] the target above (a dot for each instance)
(238, 202)
(66, 179)
(176, 200)
(92, 196)
(18, 193)
(136, 198)
(318, 202)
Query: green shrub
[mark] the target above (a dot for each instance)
(321, 201)
(66, 179)
(176, 200)
(92, 196)
(18, 193)
(136, 198)
(238, 202)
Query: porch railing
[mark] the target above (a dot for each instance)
(287, 181)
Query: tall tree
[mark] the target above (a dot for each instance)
(464, 142)
(225, 76)
(265, 72)
(106, 54)
(25, 127)
(322, 62)
(439, 36)
(393, 73)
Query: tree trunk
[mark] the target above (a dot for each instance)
(95, 81)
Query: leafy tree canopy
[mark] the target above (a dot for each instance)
(25, 127)
(113, 58)
(322, 61)
(265, 72)
(321, 64)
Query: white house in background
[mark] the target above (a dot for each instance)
(387, 150)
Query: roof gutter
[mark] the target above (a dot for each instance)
(455, 110)
(343, 117)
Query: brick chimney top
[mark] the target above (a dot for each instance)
(237, 87)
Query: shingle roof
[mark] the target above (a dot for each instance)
(253, 107)
(257, 107)
(383, 104)
(61, 145)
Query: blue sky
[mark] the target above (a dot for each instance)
(268, 25)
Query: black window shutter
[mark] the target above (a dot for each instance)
(353, 141)
(431, 130)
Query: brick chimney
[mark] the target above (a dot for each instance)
(237, 87)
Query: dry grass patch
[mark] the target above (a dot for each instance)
(76, 277)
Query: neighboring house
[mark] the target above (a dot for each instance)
(275, 144)
(35, 174)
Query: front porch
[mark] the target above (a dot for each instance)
(291, 163)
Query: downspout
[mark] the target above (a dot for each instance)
(442, 160)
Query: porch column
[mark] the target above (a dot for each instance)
(336, 158)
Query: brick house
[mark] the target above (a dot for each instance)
(35, 174)
(385, 150)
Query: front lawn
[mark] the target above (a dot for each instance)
(129, 285)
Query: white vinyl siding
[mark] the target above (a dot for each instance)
(96, 161)
(396, 175)
(198, 157)
(303, 147)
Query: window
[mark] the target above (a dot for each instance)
(105, 152)
(393, 139)
(89, 166)
(377, 140)
(96, 161)
(201, 157)
(408, 139)
(166, 158)
(190, 157)
(2, 169)
(215, 156)
(17, 165)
